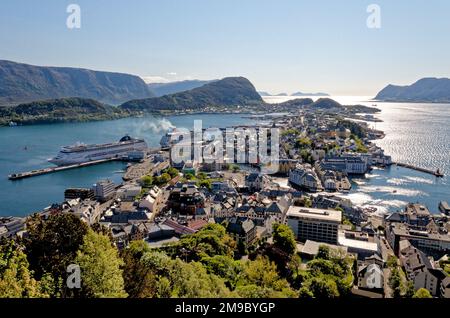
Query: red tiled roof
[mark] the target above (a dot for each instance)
(179, 229)
(197, 224)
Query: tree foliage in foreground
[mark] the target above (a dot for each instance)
(51, 245)
(209, 241)
(422, 293)
(329, 275)
(100, 266)
(284, 238)
(16, 279)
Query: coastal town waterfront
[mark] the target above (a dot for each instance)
(25, 148)
(328, 194)
(408, 139)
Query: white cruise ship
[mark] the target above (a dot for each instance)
(80, 153)
(171, 137)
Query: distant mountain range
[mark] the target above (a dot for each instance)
(309, 94)
(230, 91)
(428, 90)
(227, 94)
(22, 83)
(294, 94)
(161, 89)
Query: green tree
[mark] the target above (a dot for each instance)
(284, 238)
(304, 292)
(395, 283)
(176, 278)
(202, 176)
(224, 267)
(100, 267)
(209, 241)
(172, 172)
(51, 245)
(322, 287)
(335, 265)
(392, 261)
(297, 275)
(139, 280)
(422, 293)
(410, 290)
(324, 252)
(263, 273)
(192, 280)
(147, 181)
(16, 280)
(164, 178)
(303, 142)
(205, 184)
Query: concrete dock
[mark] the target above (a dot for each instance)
(436, 173)
(38, 172)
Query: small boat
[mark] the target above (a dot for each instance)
(395, 191)
(12, 124)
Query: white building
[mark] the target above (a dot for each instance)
(314, 224)
(104, 190)
(350, 164)
(152, 200)
(128, 192)
(304, 177)
(87, 210)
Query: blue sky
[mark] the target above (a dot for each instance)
(281, 46)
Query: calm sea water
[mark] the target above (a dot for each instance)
(415, 133)
(418, 134)
(26, 148)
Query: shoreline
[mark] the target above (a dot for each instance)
(211, 113)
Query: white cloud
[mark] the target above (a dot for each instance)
(155, 79)
(172, 77)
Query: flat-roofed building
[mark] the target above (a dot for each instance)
(318, 225)
(433, 244)
(358, 245)
(104, 190)
(310, 249)
(128, 192)
(350, 164)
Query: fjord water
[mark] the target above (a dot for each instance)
(25, 148)
(418, 134)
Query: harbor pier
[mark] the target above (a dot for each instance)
(39, 172)
(436, 173)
